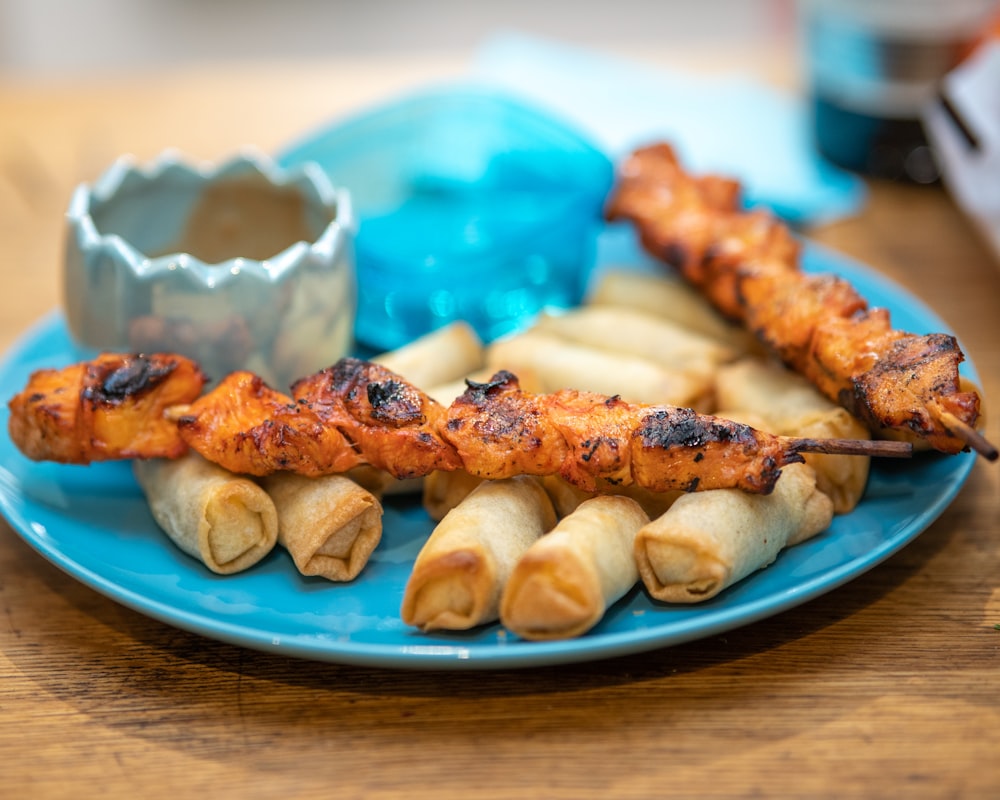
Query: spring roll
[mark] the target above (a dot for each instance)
(329, 525)
(709, 540)
(376, 481)
(445, 490)
(638, 333)
(566, 497)
(460, 572)
(791, 406)
(224, 520)
(559, 364)
(672, 299)
(438, 357)
(564, 583)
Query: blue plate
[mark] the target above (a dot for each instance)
(93, 523)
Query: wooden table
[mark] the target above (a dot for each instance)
(890, 684)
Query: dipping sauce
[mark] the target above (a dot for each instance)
(244, 218)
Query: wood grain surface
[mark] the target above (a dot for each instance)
(889, 685)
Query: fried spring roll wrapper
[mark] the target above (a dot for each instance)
(670, 299)
(638, 333)
(566, 497)
(564, 583)
(768, 389)
(224, 520)
(377, 481)
(460, 572)
(842, 478)
(790, 405)
(441, 356)
(329, 525)
(445, 490)
(559, 364)
(710, 540)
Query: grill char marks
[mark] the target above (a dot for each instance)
(109, 408)
(688, 447)
(498, 431)
(115, 382)
(395, 425)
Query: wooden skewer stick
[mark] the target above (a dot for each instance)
(966, 433)
(174, 413)
(876, 448)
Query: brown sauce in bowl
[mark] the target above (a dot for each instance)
(244, 218)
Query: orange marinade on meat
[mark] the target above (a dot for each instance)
(593, 440)
(499, 431)
(109, 408)
(356, 413)
(395, 425)
(247, 427)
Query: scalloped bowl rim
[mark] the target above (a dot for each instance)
(307, 177)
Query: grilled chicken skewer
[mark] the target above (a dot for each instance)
(494, 430)
(902, 385)
(357, 412)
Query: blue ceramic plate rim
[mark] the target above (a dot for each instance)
(92, 523)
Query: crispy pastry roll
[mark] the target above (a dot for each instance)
(710, 540)
(460, 572)
(670, 299)
(438, 357)
(329, 525)
(566, 497)
(566, 580)
(445, 490)
(790, 405)
(224, 520)
(560, 364)
(376, 481)
(638, 333)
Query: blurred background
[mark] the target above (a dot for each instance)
(59, 37)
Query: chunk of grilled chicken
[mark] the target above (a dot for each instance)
(392, 423)
(359, 412)
(595, 441)
(247, 427)
(109, 408)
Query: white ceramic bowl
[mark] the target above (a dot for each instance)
(243, 265)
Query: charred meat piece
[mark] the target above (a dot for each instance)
(395, 425)
(109, 408)
(247, 427)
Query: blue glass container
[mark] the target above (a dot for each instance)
(471, 205)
